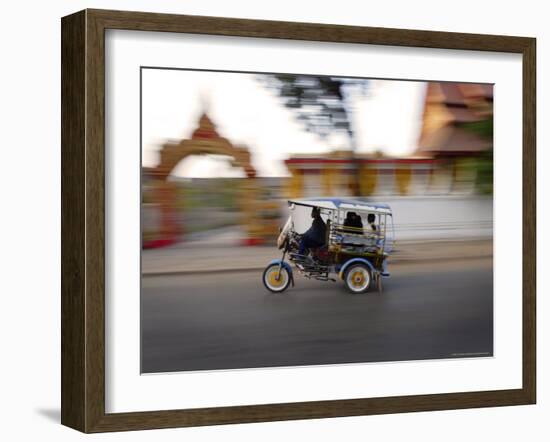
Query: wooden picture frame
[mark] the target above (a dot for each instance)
(83, 220)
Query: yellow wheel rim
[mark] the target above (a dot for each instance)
(276, 278)
(357, 279)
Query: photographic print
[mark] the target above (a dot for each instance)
(300, 220)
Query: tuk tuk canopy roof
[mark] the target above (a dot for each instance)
(343, 204)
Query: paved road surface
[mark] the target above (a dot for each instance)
(224, 321)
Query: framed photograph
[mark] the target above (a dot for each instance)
(268, 221)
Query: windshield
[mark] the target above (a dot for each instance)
(284, 232)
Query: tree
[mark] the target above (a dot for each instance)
(321, 104)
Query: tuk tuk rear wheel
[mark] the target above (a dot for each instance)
(275, 278)
(358, 278)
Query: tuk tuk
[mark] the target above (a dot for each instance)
(358, 238)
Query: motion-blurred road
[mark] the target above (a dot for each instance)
(229, 320)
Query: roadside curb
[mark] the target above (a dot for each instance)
(395, 260)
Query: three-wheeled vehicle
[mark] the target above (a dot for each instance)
(358, 239)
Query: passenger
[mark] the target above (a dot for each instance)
(372, 227)
(370, 221)
(348, 222)
(315, 236)
(357, 222)
(353, 220)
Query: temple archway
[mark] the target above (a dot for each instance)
(205, 140)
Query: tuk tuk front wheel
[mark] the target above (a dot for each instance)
(276, 278)
(357, 278)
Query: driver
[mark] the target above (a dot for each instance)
(315, 235)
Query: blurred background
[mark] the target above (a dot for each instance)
(222, 152)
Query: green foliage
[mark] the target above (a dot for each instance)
(208, 193)
(484, 175)
(483, 128)
(483, 162)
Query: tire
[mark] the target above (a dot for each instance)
(270, 280)
(358, 278)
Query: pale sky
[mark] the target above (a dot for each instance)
(387, 118)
